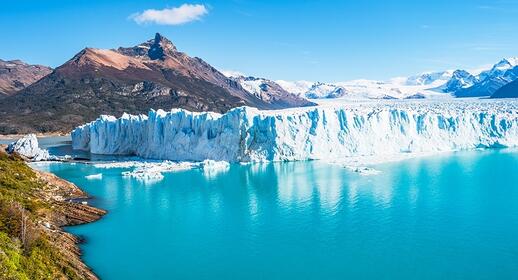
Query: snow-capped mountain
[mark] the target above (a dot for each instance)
(296, 87)
(491, 80)
(429, 78)
(266, 90)
(323, 90)
(500, 68)
(442, 84)
(459, 80)
(396, 88)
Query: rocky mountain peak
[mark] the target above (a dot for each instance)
(160, 47)
(505, 64)
(155, 49)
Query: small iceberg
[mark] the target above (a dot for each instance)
(363, 170)
(119, 164)
(212, 168)
(94, 176)
(149, 171)
(212, 165)
(144, 175)
(152, 171)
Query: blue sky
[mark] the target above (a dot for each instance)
(292, 40)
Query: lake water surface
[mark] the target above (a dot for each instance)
(451, 216)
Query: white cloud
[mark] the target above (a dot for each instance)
(172, 16)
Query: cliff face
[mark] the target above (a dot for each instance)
(34, 206)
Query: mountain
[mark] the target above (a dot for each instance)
(493, 79)
(459, 80)
(313, 90)
(266, 90)
(396, 88)
(441, 84)
(324, 90)
(429, 78)
(500, 68)
(16, 75)
(153, 74)
(296, 87)
(508, 91)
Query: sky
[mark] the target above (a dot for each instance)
(325, 41)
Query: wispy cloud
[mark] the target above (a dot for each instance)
(502, 6)
(172, 16)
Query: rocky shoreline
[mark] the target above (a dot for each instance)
(64, 205)
(68, 212)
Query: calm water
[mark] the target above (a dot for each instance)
(450, 216)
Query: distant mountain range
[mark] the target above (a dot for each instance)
(156, 75)
(153, 74)
(490, 81)
(451, 83)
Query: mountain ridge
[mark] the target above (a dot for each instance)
(15, 75)
(153, 74)
(448, 83)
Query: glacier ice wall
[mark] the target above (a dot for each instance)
(324, 132)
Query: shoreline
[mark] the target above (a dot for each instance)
(47, 134)
(60, 204)
(70, 212)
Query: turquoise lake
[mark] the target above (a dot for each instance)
(452, 216)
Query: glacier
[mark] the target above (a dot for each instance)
(327, 132)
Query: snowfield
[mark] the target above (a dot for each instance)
(331, 131)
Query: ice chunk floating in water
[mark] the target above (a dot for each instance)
(212, 168)
(324, 132)
(98, 176)
(150, 171)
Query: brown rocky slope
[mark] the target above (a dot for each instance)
(16, 75)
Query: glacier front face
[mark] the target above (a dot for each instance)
(332, 132)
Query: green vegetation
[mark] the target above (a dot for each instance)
(26, 249)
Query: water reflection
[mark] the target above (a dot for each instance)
(308, 219)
